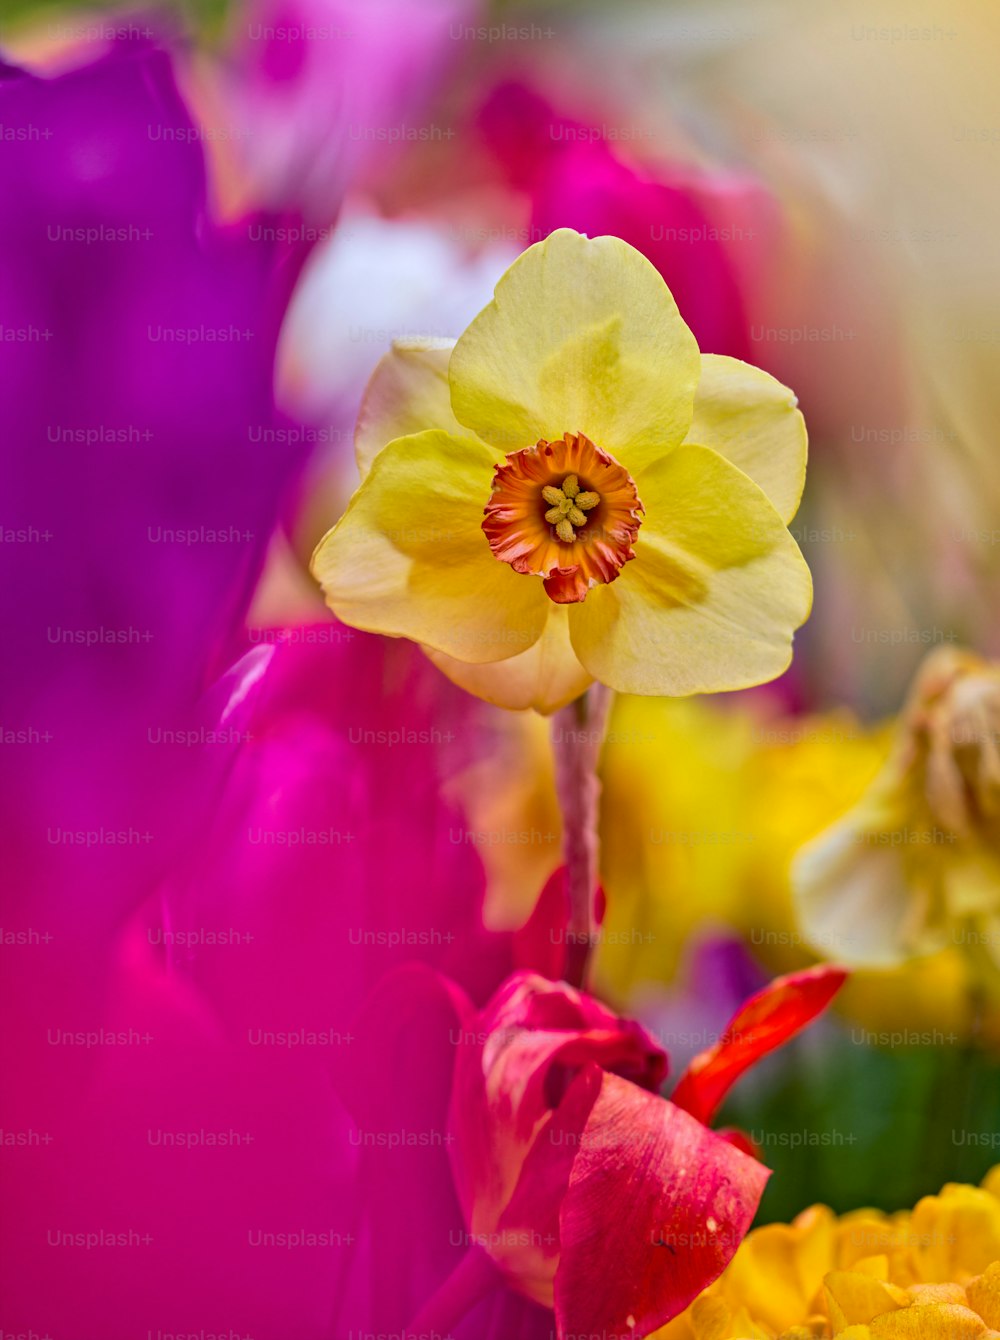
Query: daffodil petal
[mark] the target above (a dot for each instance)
(407, 393)
(867, 888)
(582, 336)
(714, 594)
(750, 418)
(949, 1322)
(852, 896)
(546, 677)
(984, 1295)
(409, 557)
(959, 1229)
(764, 1278)
(855, 1298)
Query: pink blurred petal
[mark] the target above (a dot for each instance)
(320, 88)
(395, 1081)
(709, 234)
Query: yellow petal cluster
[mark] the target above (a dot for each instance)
(725, 830)
(582, 337)
(932, 1273)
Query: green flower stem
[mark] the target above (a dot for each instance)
(577, 737)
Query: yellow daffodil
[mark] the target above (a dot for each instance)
(914, 867)
(572, 492)
(932, 1273)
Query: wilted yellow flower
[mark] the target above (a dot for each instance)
(573, 492)
(932, 1273)
(710, 848)
(914, 867)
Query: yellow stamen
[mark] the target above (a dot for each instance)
(568, 507)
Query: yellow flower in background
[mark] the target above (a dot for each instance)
(573, 492)
(675, 833)
(932, 1273)
(914, 867)
(710, 847)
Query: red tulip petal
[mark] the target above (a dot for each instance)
(656, 1206)
(540, 944)
(529, 1226)
(529, 1042)
(743, 1142)
(764, 1023)
(600, 905)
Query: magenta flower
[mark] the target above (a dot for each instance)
(327, 90)
(203, 875)
(709, 234)
(141, 479)
(141, 475)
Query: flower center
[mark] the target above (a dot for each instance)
(565, 511)
(570, 504)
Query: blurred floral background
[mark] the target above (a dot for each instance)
(818, 186)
